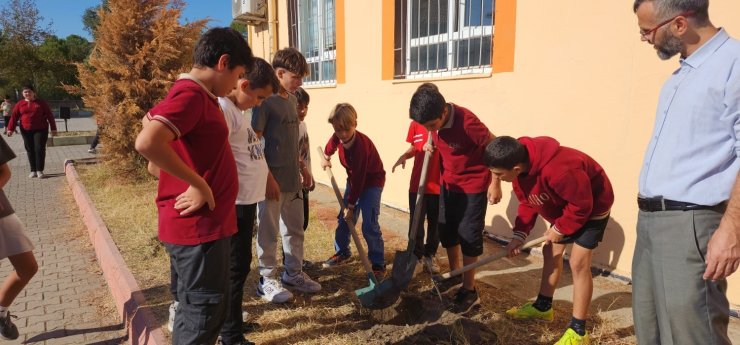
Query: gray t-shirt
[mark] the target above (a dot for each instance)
(277, 119)
(6, 154)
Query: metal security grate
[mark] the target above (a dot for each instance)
(313, 32)
(443, 37)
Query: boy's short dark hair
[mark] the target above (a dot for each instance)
(302, 96)
(505, 153)
(28, 87)
(427, 104)
(219, 41)
(292, 60)
(262, 75)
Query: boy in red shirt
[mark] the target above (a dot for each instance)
(572, 192)
(467, 184)
(365, 181)
(417, 137)
(186, 136)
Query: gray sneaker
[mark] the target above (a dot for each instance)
(301, 282)
(8, 330)
(430, 264)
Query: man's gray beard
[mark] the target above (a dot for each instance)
(669, 47)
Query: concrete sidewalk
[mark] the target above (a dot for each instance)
(62, 304)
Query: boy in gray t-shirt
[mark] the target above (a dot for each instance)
(277, 122)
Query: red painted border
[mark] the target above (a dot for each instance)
(139, 321)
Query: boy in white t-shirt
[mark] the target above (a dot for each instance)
(252, 171)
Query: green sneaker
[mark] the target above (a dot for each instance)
(570, 337)
(529, 312)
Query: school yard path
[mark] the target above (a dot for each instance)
(68, 301)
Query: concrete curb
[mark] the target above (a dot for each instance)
(140, 323)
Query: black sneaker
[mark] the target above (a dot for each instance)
(465, 301)
(445, 286)
(307, 265)
(8, 331)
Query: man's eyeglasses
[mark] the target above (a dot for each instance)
(648, 34)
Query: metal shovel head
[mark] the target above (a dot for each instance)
(404, 265)
(382, 296)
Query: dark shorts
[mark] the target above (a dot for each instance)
(461, 220)
(589, 235)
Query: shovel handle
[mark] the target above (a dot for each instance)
(486, 260)
(420, 196)
(350, 223)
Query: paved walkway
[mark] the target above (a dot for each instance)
(68, 301)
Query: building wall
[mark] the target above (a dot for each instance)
(580, 74)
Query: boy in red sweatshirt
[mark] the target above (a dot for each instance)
(466, 185)
(572, 192)
(365, 181)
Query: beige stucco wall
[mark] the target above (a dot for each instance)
(581, 75)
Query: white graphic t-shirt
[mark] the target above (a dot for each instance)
(249, 153)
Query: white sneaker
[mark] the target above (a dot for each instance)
(171, 320)
(271, 290)
(40, 174)
(430, 264)
(301, 282)
(32, 174)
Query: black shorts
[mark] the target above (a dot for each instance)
(461, 220)
(589, 235)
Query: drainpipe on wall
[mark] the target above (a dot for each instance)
(272, 27)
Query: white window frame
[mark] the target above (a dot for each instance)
(324, 55)
(452, 37)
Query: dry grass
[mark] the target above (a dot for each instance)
(334, 315)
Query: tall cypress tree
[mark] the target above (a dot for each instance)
(140, 48)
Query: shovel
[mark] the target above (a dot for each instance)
(368, 293)
(490, 258)
(404, 263)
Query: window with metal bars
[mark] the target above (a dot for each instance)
(437, 38)
(312, 31)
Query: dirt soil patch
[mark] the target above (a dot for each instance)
(333, 316)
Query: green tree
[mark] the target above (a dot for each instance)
(140, 48)
(22, 33)
(90, 18)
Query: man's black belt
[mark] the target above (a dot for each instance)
(659, 204)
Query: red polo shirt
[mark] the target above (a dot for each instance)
(192, 113)
(461, 143)
(34, 115)
(418, 137)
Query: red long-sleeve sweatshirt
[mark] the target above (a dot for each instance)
(563, 185)
(34, 115)
(362, 162)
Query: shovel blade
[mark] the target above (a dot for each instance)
(404, 265)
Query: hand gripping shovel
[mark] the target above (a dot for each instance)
(368, 293)
(404, 263)
(490, 258)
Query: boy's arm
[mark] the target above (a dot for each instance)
(272, 191)
(259, 120)
(49, 117)
(153, 169)
(153, 142)
(329, 150)
(404, 156)
(494, 189)
(14, 115)
(526, 217)
(574, 187)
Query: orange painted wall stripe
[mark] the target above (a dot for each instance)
(339, 32)
(387, 45)
(504, 36)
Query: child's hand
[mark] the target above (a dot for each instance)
(349, 216)
(428, 147)
(401, 161)
(552, 236)
(307, 179)
(325, 163)
(194, 198)
(494, 191)
(514, 247)
(272, 191)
